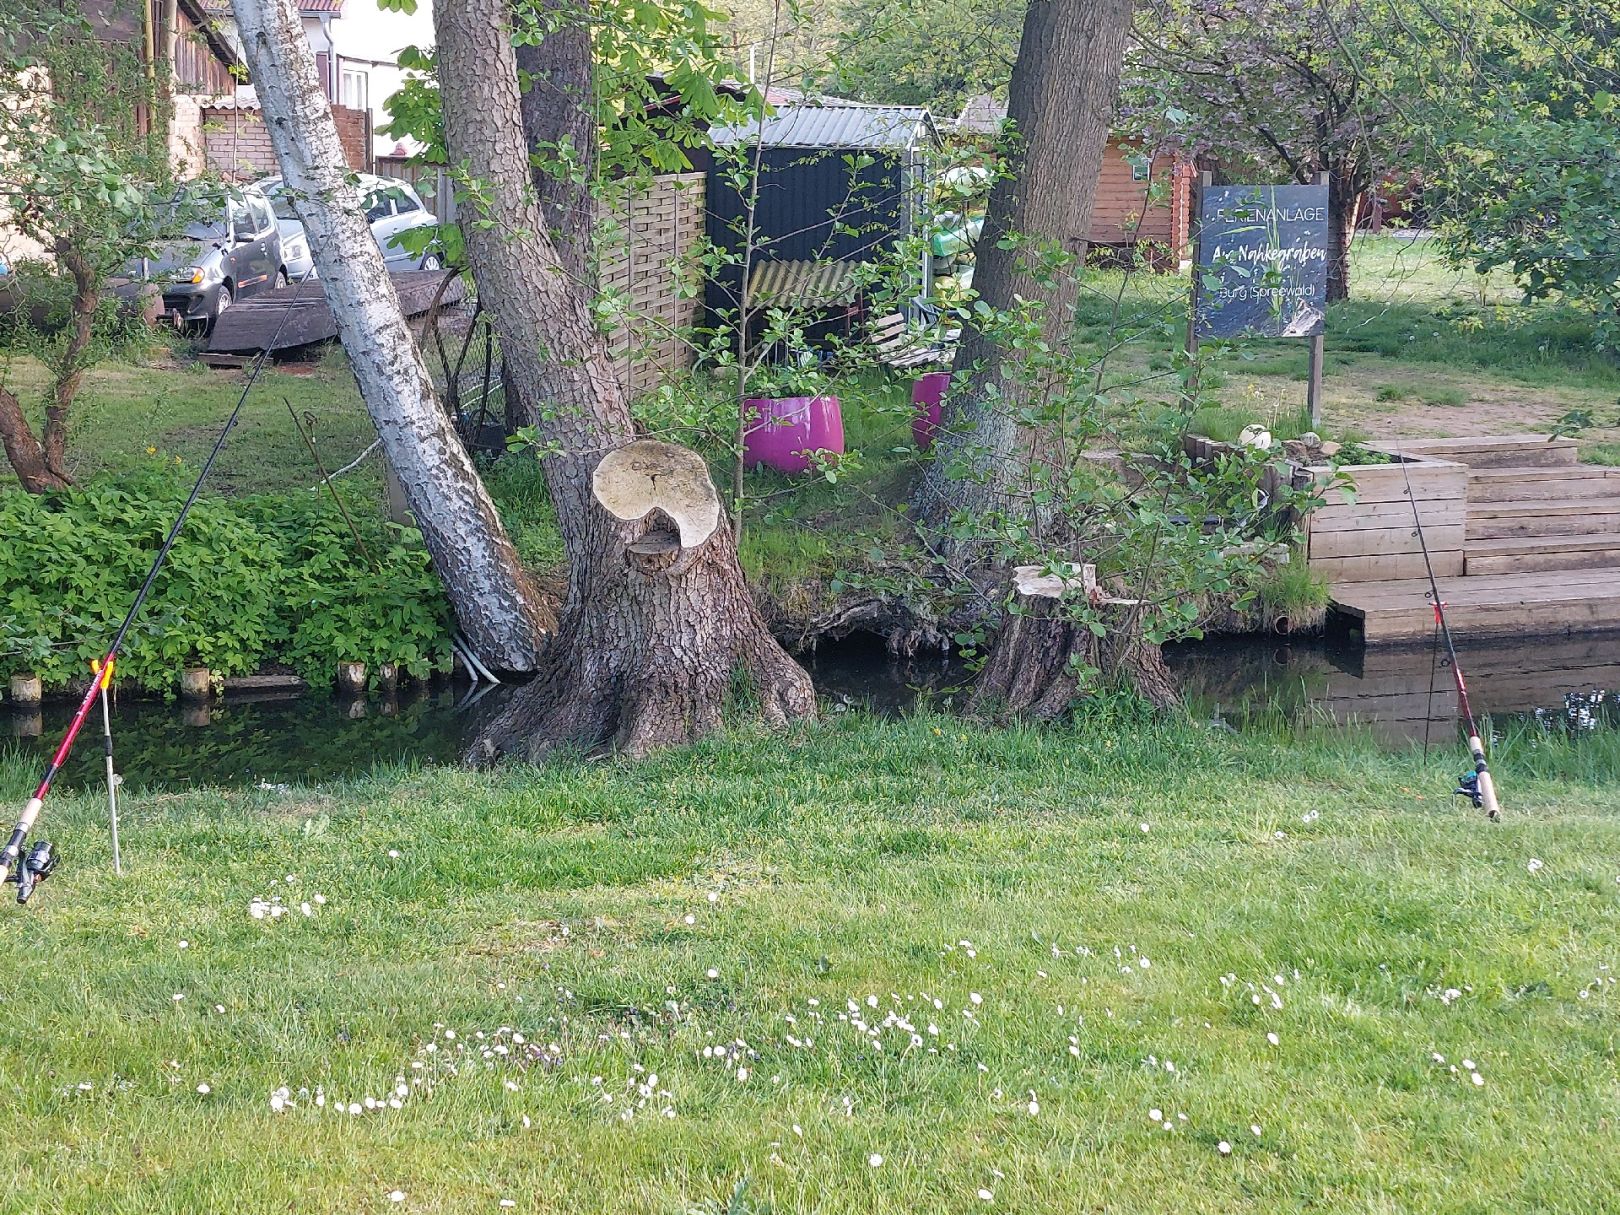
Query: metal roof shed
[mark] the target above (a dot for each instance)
(816, 201)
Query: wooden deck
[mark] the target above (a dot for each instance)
(298, 315)
(1530, 549)
(1486, 605)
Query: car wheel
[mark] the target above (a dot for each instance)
(281, 280)
(432, 262)
(222, 301)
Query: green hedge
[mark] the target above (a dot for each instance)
(254, 580)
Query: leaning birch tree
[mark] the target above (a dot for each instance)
(658, 624)
(497, 607)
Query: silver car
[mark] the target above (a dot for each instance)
(392, 209)
(213, 246)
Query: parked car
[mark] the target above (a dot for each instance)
(392, 209)
(221, 245)
(295, 254)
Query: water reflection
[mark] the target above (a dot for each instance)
(1403, 695)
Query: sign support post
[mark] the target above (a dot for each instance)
(1195, 210)
(1313, 382)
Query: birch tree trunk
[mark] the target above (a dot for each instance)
(498, 609)
(1060, 107)
(658, 620)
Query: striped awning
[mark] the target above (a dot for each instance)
(790, 284)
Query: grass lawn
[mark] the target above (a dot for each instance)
(712, 982)
(128, 411)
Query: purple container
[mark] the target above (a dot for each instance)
(926, 395)
(783, 431)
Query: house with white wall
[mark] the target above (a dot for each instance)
(356, 47)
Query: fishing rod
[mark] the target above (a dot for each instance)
(40, 863)
(1477, 786)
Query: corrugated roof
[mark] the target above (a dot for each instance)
(875, 127)
(803, 284)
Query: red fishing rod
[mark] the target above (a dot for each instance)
(1477, 786)
(41, 860)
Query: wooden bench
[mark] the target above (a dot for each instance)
(902, 345)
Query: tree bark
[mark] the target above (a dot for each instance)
(496, 605)
(1060, 108)
(70, 371)
(557, 114)
(1044, 661)
(658, 619)
(23, 450)
(1345, 188)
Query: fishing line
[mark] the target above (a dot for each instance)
(1477, 785)
(41, 859)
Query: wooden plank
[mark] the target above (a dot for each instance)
(1428, 482)
(1491, 451)
(1526, 615)
(1476, 566)
(1377, 569)
(1544, 544)
(1561, 519)
(1371, 542)
(1372, 516)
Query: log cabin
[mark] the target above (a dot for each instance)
(1125, 221)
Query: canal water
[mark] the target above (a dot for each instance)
(1403, 696)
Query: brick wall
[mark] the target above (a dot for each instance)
(646, 259)
(238, 146)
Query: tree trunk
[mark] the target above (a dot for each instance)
(70, 371)
(23, 451)
(657, 619)
(497, 606)
(1043, 660)
(1344, 196)
(558, 115)
(1060, 108)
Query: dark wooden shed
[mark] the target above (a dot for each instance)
(839, 184)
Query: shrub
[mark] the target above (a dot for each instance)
(273, 578)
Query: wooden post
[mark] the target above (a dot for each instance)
(1313, 381)
(1195, 207)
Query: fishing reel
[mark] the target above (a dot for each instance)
(38, 865)
(1468, 786)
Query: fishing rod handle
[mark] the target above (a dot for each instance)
(25, 824)
(1487, 795)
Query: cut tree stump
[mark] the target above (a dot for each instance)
(1043, 661)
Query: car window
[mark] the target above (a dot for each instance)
(263, 220)
(377, 206)
(281, 203)
(404, 204)
(242, 227)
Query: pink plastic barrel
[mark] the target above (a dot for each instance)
(783, 431)
(926, 395)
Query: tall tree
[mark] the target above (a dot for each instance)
(498, 609)
(81, 178)
(658, 621)
(1060, 107)
(1531, 181)
(937, 53)
(1282, 88)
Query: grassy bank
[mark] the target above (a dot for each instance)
(728, 965)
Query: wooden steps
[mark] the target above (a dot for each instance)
(1485, 605)
(1516, 451)
(1584, 516)
(1529, 554)
(1553, 483)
